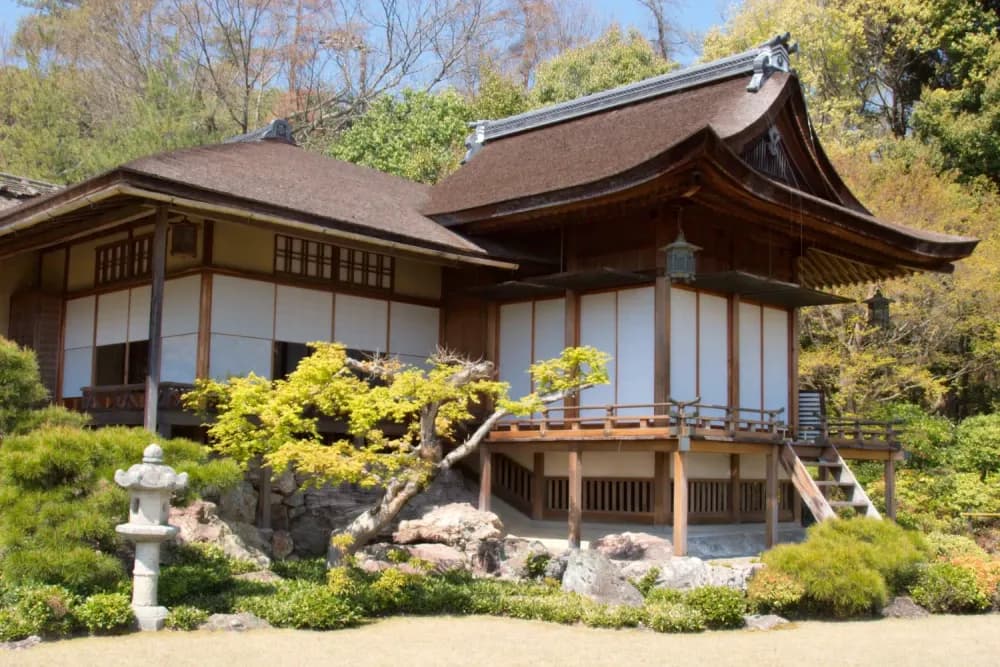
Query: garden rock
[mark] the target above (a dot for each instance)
(763, 622)
(200, 522)
(684, 573)
(903, 607)
(239, 503)
(556, 567)
(593, 575)
(458, 524)
(634, 546)
(517, 556)
(20, 645)
(234, 622)
(444, 558)
(282, 544)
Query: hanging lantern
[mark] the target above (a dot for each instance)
(878, 309)
(184, 238)
(681, 263)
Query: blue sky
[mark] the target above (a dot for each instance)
(692, 14)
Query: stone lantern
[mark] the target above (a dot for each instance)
(150, 485)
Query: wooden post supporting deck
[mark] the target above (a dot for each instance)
(680, 514)
(159, 267)
(890, 488)
(575, 496)
(485, 477)
(734, 488)
(771, 505)
(538, 486)
(661, 482)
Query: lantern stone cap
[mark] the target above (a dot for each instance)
(152, 532)
(151, 474)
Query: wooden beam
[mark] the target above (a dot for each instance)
(680, 510)
(661, 484)
(202, 360)
(661, 323)
(158, 260)
(575, 497)
(538, 486)
(485, 477)
(890, 489)
(571, 338)
(771, 503)
(734, 488)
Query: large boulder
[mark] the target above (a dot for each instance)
(763, 622)
(592, 574)
(444, 558)
(233, 622)
(200, 522)
(688, 573)
(904, 607)
(239, 503)
(458, 524)
(519, 555)
(634, 546)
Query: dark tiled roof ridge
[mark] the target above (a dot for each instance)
(760, 61)
(22, 186)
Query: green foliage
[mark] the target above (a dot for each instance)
(647, 582)
(307, 569)
(186, 618)
(497, 97)
(849, 567)
(949, 589)
(198, 570)
(21, 387)
(945, 546)
(36, 610)
(536, 564)
(929, 438)
(664, 596)
(675, 617)
(774, 592)
(934, 500)
(59, 507)
(417, 135)
(720, 606)
(303, 605)
(978, 445)
(614, 59)
(105, 613)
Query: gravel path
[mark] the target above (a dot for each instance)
(938, 640)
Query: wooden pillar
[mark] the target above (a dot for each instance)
(661, 335)
(735, 511)
(771, 504)
(571, 338)
(538, 486)
(204, 327)
(680, 511)
(661, 483)
(575, 496)
(890, 488)
(485, 477)
(158, 262)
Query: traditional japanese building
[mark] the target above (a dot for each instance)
(678, 223)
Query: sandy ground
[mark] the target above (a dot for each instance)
(961, 641)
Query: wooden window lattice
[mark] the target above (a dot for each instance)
(123, 260)
(322, 261)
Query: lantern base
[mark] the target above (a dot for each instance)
(150, 619)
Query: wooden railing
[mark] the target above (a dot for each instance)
(861, 433)
(673, 419)
(129, 397)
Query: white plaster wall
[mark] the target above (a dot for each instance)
(77, 364)
(515, 347)
(239, 307)
(754, 466)
(414, 331)
(302, 315)
(526, 459)
(750, 358)
(79, 323)
(705, 465)
(138, 313)
(598, 321)
(635, 348)
(713, 351)
(182, 304)
(112, 317)
(239, 355)
(360, 323)
(683, 344)
(775, 364)
(549, 328)
(602, 464)
(179, 357)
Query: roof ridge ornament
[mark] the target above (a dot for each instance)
(759, 61)
(772, 57)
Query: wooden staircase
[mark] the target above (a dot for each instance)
(832, 475)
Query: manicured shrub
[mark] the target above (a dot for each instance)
(721, 607)
(566, 608)
(613, 616)
(986, 571)
(949, 589)
(302, 605)
(186, 618)
(197, 571)
(36, 610)
(536, 564)
(664, 596)
(105, 613)
(895, 553)
(945, 546)
(774, 592)
(674, 617)
(21, 387)
(308, 569)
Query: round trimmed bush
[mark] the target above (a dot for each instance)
(186, 618)
(303, 605)
(775, 592)
(721, 607)
(675, 617)
(946, 588)
(105, 613)
(36, 610)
